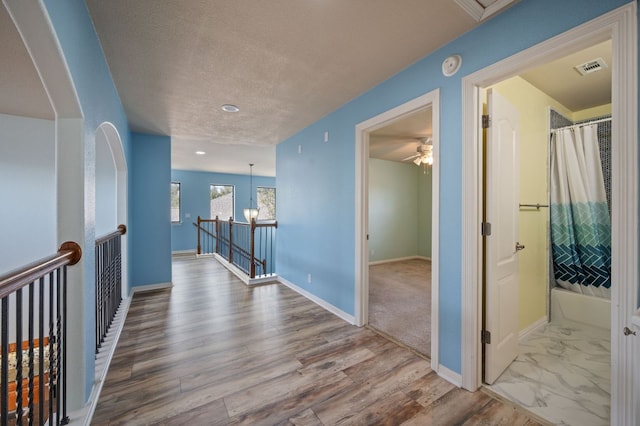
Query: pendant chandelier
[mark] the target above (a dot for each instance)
(250, 213)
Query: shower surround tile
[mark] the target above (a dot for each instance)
(562, 375)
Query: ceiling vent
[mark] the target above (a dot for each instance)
(591, 66)
(482, 9)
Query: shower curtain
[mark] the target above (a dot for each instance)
(580, 222)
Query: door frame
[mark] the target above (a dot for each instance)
(362, 208)
(619, 25)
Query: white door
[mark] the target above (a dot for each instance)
(502, 199)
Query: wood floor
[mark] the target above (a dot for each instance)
(211, 351)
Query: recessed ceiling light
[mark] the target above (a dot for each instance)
(230, 108)
(200, 153)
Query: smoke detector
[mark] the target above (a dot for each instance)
(591, 66)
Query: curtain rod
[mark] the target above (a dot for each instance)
(586, 123)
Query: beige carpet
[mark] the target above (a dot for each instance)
(400, 302)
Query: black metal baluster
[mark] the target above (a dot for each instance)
(41, 351)
(97, 300)
(5, 360)
(119, 271)
(57, 346)
(19, 409)
(31, 352)
(63, 342)
(52, 341)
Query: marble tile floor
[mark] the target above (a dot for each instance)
(562, 375)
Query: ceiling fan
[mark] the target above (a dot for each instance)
(424, 152)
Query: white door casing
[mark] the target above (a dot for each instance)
(362, 131)
(620, 26)
(502, 198)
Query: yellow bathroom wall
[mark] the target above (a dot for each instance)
(534, 144)
(587, 114)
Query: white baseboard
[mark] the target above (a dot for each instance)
(449, 375)
(398, 259)
(524, 333)
(242, 276)
(183, 253)
(84, 415)
(318, 301)
(149, 287)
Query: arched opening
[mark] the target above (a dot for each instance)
(111, 188)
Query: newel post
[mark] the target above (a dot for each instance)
(199, 247)
(252, 248)
(230, 240)
(217, 235)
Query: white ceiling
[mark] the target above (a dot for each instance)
(399, 139)
(285, 64)
(21, 92)
(560, 80)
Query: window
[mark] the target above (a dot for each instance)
(266, 203)
(221, 197)
(175, 202)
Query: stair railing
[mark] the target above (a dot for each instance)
(248, 246)
(33, 379)
(108, 281)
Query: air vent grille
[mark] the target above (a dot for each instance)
(591, 66)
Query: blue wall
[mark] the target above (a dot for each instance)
(316, 189)
(100, 103)
(150, 210)
(194, 193)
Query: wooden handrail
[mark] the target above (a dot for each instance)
(204, 230)
(69, 253)
(122, 229)
(227, 238)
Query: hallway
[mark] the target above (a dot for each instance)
(213, 351)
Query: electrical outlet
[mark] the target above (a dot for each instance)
(299, 149)
(326, 136)
(309, 278)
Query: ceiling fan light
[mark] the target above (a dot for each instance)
(417, 161)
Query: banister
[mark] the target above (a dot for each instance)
(69, 253)
(237, 242)
(121, 230)
(203, 230)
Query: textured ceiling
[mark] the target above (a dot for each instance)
(285, 63)
(21, 92)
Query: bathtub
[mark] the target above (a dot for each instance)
(590, 310)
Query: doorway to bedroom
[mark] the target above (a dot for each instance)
(397, 233)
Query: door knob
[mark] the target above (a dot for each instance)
(519, 246)
(626, 331)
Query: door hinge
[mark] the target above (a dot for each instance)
(486, 121)
(485, 337)
(485, 229)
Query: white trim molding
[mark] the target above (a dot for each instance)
(149, 287)
(449, 375)
(398, 259)
(479, 12)
(362, 131)
(541, 322)
(84, 415)
(240, 274)
(318, 301)
(620, 26)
